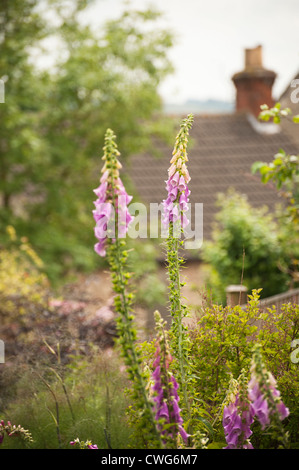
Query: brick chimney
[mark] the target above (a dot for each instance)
(254, 83)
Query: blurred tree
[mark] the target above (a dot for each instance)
(20, 144)
(53, 122)
(284, 168)
(283, 171)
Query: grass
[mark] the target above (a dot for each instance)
(89, 403)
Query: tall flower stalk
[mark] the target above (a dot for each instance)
(168, 417)
(238, 416)
(257, 399)
(175, 219)
(112, 221)
(111, 213)
(267, 404)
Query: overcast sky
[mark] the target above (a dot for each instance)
(211, 37)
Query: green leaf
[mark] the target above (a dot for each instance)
(265, 169)
(276, 119)
(277, 161)
(256, 166)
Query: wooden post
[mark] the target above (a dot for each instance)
(236, 295)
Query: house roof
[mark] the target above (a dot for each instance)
(221, 152)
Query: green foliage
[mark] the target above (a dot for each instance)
(149, 287)
(222, 342)
(246, 245)
(116, 74)
(276, 113)
(221, 345)
(86, 398)
(24, 288)
(283, 171)
(279, 330)
(52, 121)
(94, 387)
(221, 349)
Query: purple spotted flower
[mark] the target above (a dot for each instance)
(175, 205)
(167, 405)
(112, 200)
(165, 395)
(264, 395)
(260, 400)
(237, 419)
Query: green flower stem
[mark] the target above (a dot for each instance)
(179, 334)
(117, 258)
(127, 337)
(178, 311)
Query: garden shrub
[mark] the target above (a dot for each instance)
(245, 246)
(222, 341)
(221, 348)
(24, 288)
(279, 330)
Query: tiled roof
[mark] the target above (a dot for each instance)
(221, 152)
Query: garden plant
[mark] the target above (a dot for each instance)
(224, 379)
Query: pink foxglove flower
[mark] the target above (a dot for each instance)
(175, 205)
(237, 419)
(238, 415)
(111, 205)
(166, 399)
(263, 393)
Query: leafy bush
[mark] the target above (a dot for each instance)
(245, 245)
(222, 341)
(283, 171)
(23, 285)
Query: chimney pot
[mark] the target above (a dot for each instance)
(254, 83)
(253, 58)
